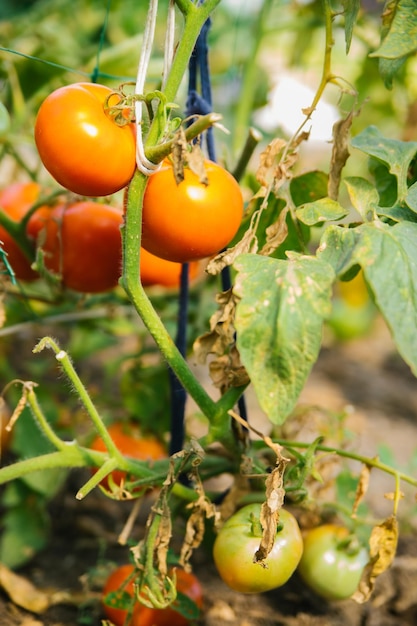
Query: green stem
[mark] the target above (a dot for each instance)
(131, 283)
(32, 400)
(372, 462)
(68, 368)
(195, 16)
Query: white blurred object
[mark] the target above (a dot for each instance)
(286, 101)
(243, 6)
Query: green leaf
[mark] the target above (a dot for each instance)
(279, 322)
(363, 196)
(4, 120)
(26, 530)
(351, 10)
(401, 39)
(396, 154)
(388, 257)
(411, 198)
(308, 187)
(320, 211)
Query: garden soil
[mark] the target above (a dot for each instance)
(366, 379)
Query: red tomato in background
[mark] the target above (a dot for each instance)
(130, 441)
(157, 271)
(16, 200)
(82, 242)
(187, 583)
(190, 221)
(236, 544)
(80, 145)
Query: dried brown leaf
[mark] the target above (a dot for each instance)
(196, 163)
(179, 155)
(222, 330)
(340, 154)
(382, 548)
(22, 592)
(362, 487)
(268, 163)
(274, 491)
(276, 233)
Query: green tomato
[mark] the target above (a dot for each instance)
(331, 565)
(238, 540)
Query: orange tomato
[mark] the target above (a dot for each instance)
(80, 145)
(157, 271)
(190, 220)
(15, 201)
(187, 583)
(81, 242)
(131, 443)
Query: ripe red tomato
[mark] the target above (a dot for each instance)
(82, 147)
(16, 200)
(187, 584)
(190, 221)
(332, 565)
(82, 242)
(157, 271)
(237, 542)
(115, 582)
(130, 441)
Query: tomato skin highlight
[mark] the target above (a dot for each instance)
(130, 441)
(81, 147)
(235, 546)
(190, 221)
(187, 583)
(16, 200)
(157, 271)
(327, 567)
(81, 242)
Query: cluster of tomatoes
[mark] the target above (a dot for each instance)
(327, 558)
(87, 142)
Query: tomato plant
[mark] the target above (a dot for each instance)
(157, 271)
(130, 441)
(332, 562)
(15, 201)
(237, 542)
(82, 147)
(122, 581)
(82, 243)
(190, 220)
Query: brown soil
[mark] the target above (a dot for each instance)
(364, 374)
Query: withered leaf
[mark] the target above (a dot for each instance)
(268, 163)
(382, 548)
(275, 493)
(22, 592)
(340, 154)
(362, 488)
(276, 233)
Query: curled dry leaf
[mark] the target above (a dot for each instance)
(382, 548)
(22, 592)
(268, 169)
(201, 510)
(362, 488)
(275, 493)
(226, 369)
(276, 234)
(340, 154)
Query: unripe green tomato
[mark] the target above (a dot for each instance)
(235, 546)
(330, 565)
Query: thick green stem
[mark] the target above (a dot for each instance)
(133, 287)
